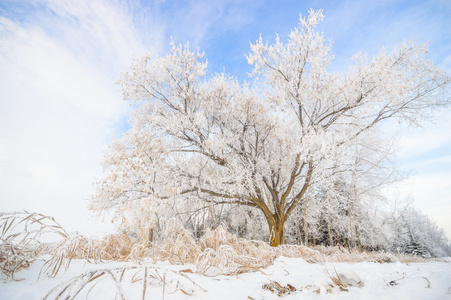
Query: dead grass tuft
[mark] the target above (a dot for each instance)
(21, 234)
(115, 247)
(336, 280)
(275, 287)
(179, 248)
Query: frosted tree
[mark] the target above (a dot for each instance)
(208, 138)
(415, 233)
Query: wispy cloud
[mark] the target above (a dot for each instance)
(59, 102)
(368, 25)
(418, 143)
(199, 21)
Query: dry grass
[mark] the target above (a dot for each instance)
(336, 280)
(220, 252)
(25, 236)
(340, 254)
(141, 277)
(20, 239)
(115, 247)
(217, 252)
(275, 287)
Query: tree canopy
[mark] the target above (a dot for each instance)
(263, 145)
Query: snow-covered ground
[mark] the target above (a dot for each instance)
(296, 278)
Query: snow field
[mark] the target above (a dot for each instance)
(365, 280)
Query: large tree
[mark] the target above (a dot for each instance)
(262, 145)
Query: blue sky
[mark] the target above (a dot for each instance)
(60, 107)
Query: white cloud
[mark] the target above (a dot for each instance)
(366, 26)
(60, 105)
(441, 216)
(199, 21)
(433, 189)
(417, 142)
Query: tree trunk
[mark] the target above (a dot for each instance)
(329, 232)
(149, 236)
(305, 222)
(356, 215)
(275, 232)
(298, 227)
